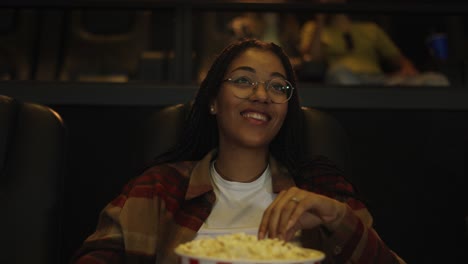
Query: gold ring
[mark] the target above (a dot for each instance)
(294, 199)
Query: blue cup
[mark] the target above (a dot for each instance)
(438, 47)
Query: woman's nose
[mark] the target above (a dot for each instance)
(260, 93)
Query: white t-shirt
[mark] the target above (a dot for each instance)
(239, 206)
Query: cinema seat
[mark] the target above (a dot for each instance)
(32, 148)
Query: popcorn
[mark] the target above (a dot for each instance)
(240, 246)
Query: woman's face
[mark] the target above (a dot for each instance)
(252, 122)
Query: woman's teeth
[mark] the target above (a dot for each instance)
(256, 116)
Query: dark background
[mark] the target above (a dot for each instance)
(409, 147)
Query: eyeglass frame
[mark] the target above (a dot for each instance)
(255, 84)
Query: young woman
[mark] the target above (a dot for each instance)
(238, 168)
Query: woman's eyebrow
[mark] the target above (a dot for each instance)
(252, 70)
(277, 74)
(244, 68)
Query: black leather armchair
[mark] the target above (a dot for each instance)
(32, 140)
(325, 136)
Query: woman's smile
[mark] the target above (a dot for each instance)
(256, 117)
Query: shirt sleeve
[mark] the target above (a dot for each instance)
(355, 240)
(120, 238)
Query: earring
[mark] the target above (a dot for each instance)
(212, 110)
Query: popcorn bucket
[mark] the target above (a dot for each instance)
(185, 259)
(240, 248)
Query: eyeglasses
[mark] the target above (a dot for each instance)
(278, 89)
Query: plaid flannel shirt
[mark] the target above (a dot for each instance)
(168, 203)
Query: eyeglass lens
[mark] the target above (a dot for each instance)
(278, 89)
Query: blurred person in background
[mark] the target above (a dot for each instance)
(354, 53)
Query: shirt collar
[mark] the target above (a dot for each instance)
(200, 179)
